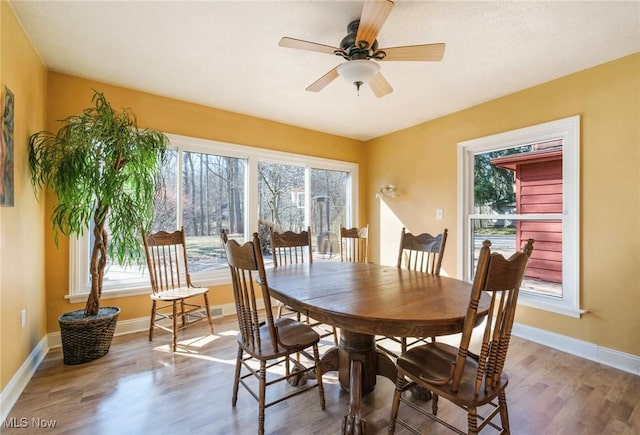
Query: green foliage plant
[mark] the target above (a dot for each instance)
(102, 169)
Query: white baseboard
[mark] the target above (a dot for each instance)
(610, 357)
(10, 394)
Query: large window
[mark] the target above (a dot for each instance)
(519, 185)
(209, 197)
(294, 197)
(330, 199)
(207, 186)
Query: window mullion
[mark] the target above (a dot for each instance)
(307, 195)
(251, 197)
(179, 186)
(532, 217)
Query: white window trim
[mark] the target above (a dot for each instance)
(568, 129)
(79, 246)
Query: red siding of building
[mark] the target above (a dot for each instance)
(539, 190)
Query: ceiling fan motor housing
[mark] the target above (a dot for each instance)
(351, 50)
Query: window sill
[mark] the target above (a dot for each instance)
(111, 294)
(142, 290)
(560, 307)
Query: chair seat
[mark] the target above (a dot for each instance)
(179, 293)
(433, 361)
(294, 336)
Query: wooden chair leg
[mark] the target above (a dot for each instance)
(472, 420)
(316, 357)
(236, 380)
(175, 326)
(206, 305)
(262, 396)
(152, 322)
(395, 404)
(504, 412)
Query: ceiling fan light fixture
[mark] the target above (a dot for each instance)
(358, 71)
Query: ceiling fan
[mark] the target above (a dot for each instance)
(360, 49)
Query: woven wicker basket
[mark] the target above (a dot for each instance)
(85, 339)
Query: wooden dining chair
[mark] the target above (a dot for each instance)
(264, 339)
(457, 374)
(422, 253)
(354, 244)
(289, 247)
(173, 296)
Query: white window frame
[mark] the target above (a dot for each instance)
(567, 129)
(79, 284)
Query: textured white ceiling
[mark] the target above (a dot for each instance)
(225, 54)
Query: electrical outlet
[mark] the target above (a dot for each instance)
(439, 214)
(23, 318)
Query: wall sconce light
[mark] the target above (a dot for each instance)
(388, 191)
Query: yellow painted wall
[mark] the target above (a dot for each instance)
(21, 227)
(67, 95)
(422, 161)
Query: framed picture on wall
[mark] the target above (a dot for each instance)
(6, 149)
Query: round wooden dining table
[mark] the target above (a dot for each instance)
(365, 300)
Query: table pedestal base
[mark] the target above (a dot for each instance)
(358, 362)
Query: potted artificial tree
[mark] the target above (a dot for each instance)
(103, 170)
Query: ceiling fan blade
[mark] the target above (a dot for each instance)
(425, 52)
(306, 45)
(379, 85)
(374, 14)
(323, 81)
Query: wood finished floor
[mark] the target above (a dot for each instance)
(140, 387)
